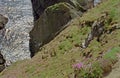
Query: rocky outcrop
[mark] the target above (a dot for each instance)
(40, 5)
(99, 28)
(14, 38)
(2, 63)
(51, 16)
(52, 21)
(3, 21)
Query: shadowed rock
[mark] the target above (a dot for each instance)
(97, 29)
(40, 5)
(3, 21)
(50, 23)
(2, 63)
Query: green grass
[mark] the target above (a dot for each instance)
(112, 53)
(66, 50)
(57, 7)
(93, 71)
(65, 46)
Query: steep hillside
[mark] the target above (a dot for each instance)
(65, 57)
(51, 16)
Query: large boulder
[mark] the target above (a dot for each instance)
(40, 5)
(50, 16)
(53, 19)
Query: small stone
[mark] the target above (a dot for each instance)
(3, 21)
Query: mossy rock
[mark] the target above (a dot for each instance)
(51, 22)
(40, 5)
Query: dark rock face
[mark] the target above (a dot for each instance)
(3, 21)
(40, 5)
(51, 16)
(2, 63)
(51, 22)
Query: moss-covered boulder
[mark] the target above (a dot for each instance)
(40, 5)
(52, 21)
(50, 16)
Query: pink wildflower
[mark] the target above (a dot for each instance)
(78, 65)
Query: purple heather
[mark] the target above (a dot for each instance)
(78, 65)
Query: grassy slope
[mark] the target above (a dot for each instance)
(56, 58)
